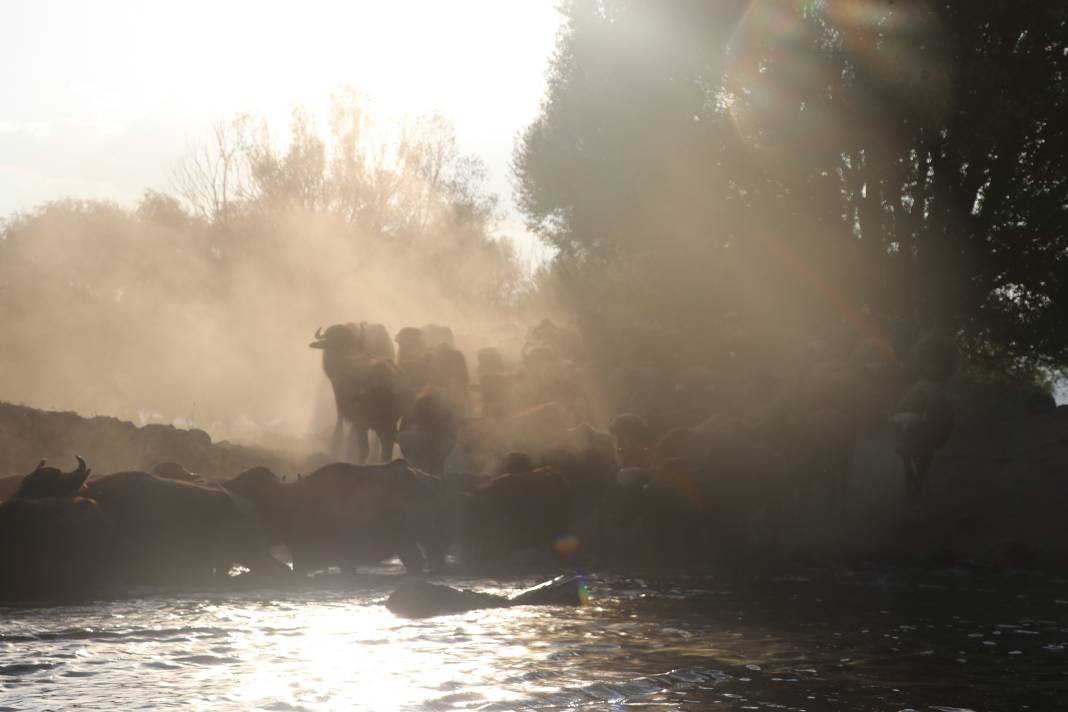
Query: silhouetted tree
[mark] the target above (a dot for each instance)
(213, 176)
(811, 162)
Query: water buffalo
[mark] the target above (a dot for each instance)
(427, 357)
(449, 372)
(564, 341)
(729, 504)
(351, 515)
(365, 337)
(528, 510)
(175, 532)
(495, 396)
(52, 542)
(494, 383)
(45, 482)
(175, 471)
(814, 423)
(413, 357)
(368, 388)
(533, 430)
(490, 360)
(435, 334)
(923, 423)
(431, 430)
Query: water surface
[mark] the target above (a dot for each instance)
(813, 639)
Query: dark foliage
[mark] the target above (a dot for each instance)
(801, 164)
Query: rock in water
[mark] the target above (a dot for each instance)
(419, 599)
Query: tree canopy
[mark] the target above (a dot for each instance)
(807, 163)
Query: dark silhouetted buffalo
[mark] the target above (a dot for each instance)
(351, 515)
(368, 389)
(923, 423)
(53, 543)
(529, 510)
(431, 430)
(175, 532)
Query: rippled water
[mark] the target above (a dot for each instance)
(812, 640)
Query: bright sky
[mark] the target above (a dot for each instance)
(101, 98)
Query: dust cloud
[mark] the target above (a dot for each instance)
(196, 309)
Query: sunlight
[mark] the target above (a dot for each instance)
(362, 656)
(412, 56)
(131, 86)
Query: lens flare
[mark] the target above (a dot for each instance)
(583, 592)
(566, 544)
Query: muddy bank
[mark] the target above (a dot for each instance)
(28, 435)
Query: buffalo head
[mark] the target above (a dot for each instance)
(52, 482)
(339, 336)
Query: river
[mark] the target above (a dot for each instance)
(861, 638)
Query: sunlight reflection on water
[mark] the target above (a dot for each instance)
(787, 644)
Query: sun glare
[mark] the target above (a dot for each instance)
(140, 83)
(409, 57)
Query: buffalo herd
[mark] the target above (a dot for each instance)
(540, 454)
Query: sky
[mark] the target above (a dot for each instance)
(101, 99)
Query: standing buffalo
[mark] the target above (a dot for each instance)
(923, 424)
(814, 423)
(427, 357)
(431, 430)
(564, 341)
(923, 419)
(413, 357)
(494, 383)
(435, 334)
(449, 372)
(368, 389)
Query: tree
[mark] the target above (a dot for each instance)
(295, 178)
(162, 209)
(212, 177)
(811, 163)
(412, 190)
